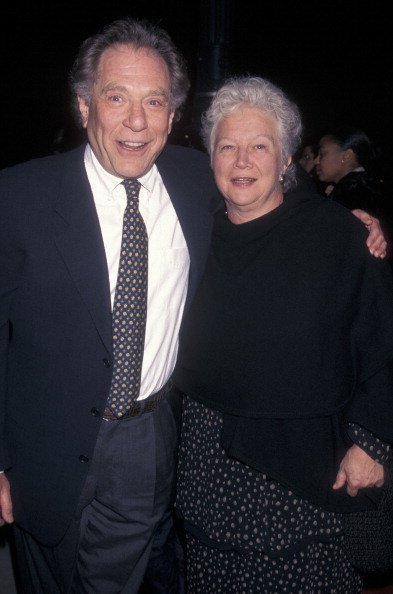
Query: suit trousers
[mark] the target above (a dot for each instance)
(128, 491)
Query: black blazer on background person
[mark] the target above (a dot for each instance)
(56, 323)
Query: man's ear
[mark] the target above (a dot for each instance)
(170, 121)
(83, 110)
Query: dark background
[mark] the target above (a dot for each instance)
(333, 58)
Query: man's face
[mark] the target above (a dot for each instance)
(128, 119)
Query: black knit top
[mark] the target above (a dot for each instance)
(291, 337)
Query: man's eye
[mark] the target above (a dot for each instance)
(260, 146)
(114, 98)
(155, 102)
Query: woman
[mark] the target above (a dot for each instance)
(286, 367)
(344, 161)
(304, 164)
(305, 167)
(345, 164)
(306, 156)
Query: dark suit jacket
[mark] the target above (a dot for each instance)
(55, 322)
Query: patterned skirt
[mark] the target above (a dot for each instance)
(246, 534)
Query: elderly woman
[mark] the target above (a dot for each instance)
(286, 367)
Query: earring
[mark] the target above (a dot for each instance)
(281, 179)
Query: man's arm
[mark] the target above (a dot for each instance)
(376, 241)
(11, 265)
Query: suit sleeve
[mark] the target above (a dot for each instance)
(11, 266)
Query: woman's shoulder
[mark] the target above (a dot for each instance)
(319, 214)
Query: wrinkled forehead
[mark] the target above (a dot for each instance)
(129, 60)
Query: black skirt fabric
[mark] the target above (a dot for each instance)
(247, 533)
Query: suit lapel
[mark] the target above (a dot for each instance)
(78, 235)
(78, 238)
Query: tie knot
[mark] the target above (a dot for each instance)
(132, 186)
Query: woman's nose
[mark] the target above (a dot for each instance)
(242, 159)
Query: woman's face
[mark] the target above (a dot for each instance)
(329, 163)
(246, 163)
(306, 159)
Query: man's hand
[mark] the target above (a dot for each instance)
(6, 516)
(376, 241)
(357, 471)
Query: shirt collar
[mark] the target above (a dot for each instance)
(108, 182)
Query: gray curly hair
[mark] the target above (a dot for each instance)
(261, 93)
(139, 34)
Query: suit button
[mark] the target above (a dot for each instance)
(95, 412)
(83, 459)
(107, 363)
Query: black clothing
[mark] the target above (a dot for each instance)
(358, 190)
(245, 532)
(56, 322)
(290, 336)
(305, 181)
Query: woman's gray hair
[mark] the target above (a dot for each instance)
(139, 34)
(264, 95)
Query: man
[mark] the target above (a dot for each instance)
(90, 487)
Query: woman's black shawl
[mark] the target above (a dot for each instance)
(291, 336)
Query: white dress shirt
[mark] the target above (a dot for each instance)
(168, 263)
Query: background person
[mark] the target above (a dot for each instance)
(306, 155)
(285, 362)
(305, 167)
(346, 163)
(345, 158)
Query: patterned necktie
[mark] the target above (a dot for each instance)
(129, 309)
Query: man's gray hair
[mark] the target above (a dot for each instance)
(138, 34)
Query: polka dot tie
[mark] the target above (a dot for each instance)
(129, 309)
